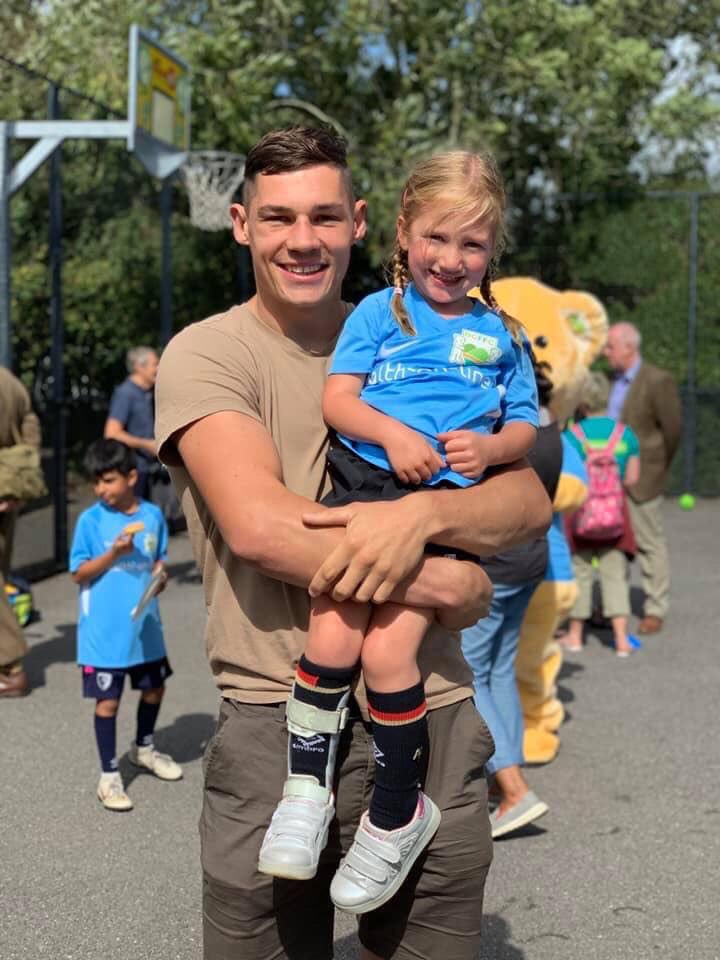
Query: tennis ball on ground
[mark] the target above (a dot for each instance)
(686, 501)
(595, 563)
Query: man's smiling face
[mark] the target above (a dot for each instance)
(299, 227)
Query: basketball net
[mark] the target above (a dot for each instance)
(211, 179)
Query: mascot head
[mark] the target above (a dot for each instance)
(567, 329)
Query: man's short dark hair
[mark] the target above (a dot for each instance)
(295, 148)
(105, 455)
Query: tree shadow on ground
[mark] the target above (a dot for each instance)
(185, 740)
(347, 947)
(185, 572)
(496, 938)
(57, 649)
(495, 942)
(528, 832)
(564, 694)
(637, 601)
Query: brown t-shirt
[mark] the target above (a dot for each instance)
(257, 626)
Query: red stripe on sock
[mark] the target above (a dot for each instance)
(406, 716)
(308, 678)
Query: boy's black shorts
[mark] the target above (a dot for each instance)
(106, 683)
(355, 480)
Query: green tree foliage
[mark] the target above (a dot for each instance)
(570, 95)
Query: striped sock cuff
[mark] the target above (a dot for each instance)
(397, 709)
(323, 680)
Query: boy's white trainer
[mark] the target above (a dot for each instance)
(111, 793)
(298, 831)
(161, 764)
(377, 863)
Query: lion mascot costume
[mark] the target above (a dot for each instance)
(567, 329)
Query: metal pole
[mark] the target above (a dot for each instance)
(57, 343)
(166, 261)
(5, 250)
(690, 426)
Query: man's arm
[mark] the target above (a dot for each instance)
(115, 430)
(508, 508)
(235, 466)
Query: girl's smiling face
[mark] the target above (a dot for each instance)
(447, 257)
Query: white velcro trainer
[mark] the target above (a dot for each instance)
(111, 793)
(161, 764)
(298, 831)
(378, 861)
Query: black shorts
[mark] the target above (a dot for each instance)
(355, 480)
(106, 683)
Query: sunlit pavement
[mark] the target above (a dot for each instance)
(626, 866)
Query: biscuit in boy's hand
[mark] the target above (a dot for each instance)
(137, 526)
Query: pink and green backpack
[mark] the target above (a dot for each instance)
(602, 516)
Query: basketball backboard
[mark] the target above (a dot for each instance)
(159, 89)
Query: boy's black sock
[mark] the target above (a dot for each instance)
(147, 714)
(323, 687)
(402, 747)
(106, 737)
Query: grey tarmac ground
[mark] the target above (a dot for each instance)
(626, 866)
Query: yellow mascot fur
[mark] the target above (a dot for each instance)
(567, 329)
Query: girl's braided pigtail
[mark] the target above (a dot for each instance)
(514, 326)
(400, 280)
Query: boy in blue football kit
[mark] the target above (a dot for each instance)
(119, 546)
(428, 387)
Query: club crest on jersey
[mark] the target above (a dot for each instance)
(470, 347)
(103, 680)
(149, 543)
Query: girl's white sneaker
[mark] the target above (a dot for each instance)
(378, 861)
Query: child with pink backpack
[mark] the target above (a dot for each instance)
(601, 527)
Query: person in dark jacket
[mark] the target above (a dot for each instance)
(646, 398)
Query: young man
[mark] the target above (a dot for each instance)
(239, 424)
(646, 398)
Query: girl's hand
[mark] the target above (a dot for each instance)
(468, 452)
(411, 456)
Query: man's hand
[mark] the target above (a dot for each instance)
(474, 595)
(383, 544)
(11, 506)
(468, 452)
(411, 456)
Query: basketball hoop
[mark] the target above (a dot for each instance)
(211, 179)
